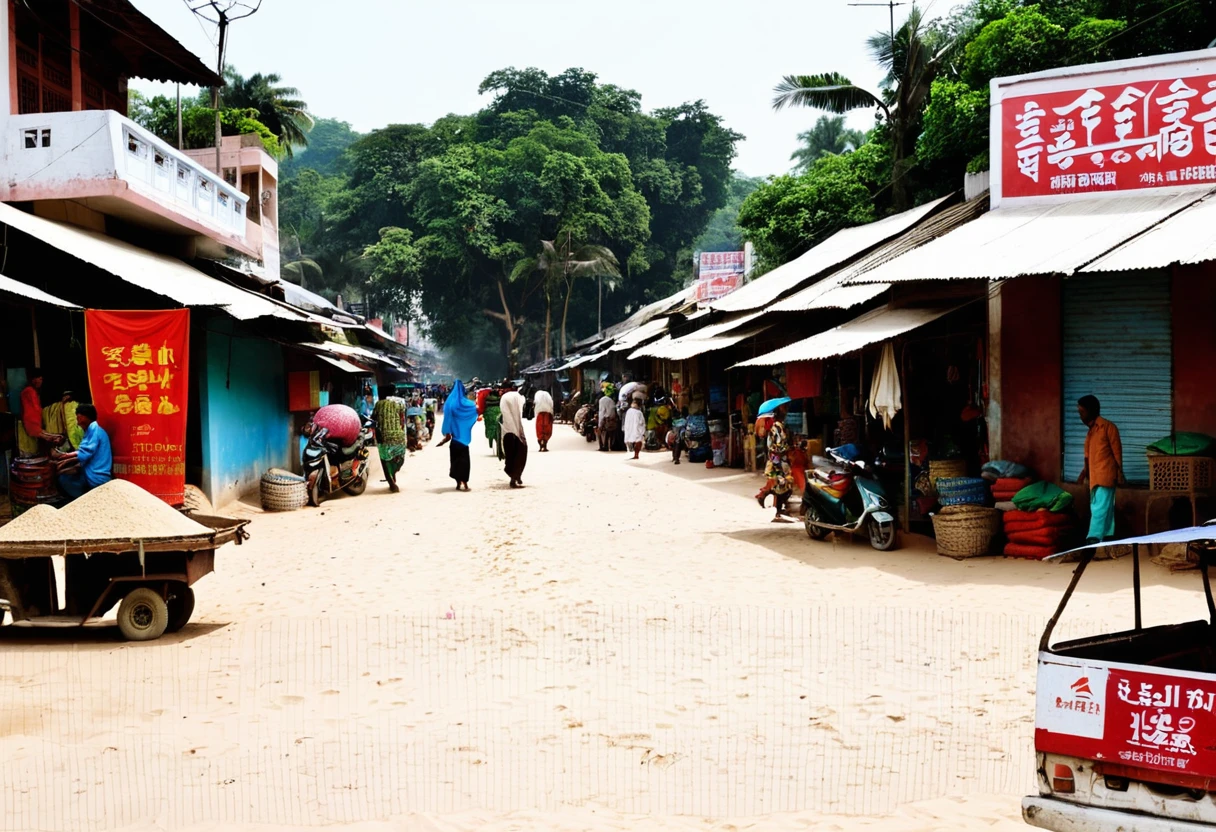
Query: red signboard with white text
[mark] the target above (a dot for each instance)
(1128, 715)
(719, 273)
(138, 365)
(1122, 127)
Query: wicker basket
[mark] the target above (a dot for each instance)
(949, 468)
(1179, 473)
(966, 531)
(283, 490)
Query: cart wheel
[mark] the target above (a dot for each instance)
(142, 615)
(181, 607)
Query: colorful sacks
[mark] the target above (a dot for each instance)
(1035, 534)
(1006, 488)
(1003, 469)
(962, 491)
(1017, 550)
(1043, 495)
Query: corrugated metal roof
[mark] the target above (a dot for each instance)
(840, 247)
(344, 366)
(659, 348)
(585, 358)
(639, 335)
(1187, 237)
(14, 287)
(157, 273)
(870, 328)
(639, 317)
(1012, 241)
(680, 349)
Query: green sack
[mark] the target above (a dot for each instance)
(1042, 495)
(1184, 444)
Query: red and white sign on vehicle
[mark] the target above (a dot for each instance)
(1115, 127)
(1122, 714)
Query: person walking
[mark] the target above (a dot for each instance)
(606, 424)
(514, 440)
(1103, 468)
(492, 415)
(459, 416)
(777, 470)
(635, 428)
(391, 442)
(543, 402)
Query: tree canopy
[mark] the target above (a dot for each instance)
(446, 213)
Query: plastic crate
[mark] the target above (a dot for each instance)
(1180, 473)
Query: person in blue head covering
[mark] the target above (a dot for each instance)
(459, 416)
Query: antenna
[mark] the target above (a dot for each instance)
(220, 13)
(891, 6)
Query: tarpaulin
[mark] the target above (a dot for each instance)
(138, 364)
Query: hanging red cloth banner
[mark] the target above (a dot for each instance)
(138, 377)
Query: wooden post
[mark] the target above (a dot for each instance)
(34, 330)
(14, 102)
(74, 25)
(903, 394)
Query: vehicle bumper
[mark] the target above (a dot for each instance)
(1058, 815)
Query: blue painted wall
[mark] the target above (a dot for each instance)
(243, 412)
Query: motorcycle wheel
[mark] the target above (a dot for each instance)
(810, 519)
(359, 485)
(882, 537)
(315, 497)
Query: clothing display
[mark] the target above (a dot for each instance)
(886, 396)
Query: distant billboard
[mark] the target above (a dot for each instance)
(720, 273)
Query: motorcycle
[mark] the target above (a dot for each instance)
(845, 496)
(330, 467)
(585, 422)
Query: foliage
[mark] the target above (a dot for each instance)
(277, 106)
(325, 152)
(158, 115)
(723, 233)
(1023, 41)
(560, 263)
(829, 135)
(394, 272)
(955, 127)
(790, 214)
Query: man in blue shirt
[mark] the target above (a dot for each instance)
(89, 465)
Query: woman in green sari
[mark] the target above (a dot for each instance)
(493, 422)
(389, 416)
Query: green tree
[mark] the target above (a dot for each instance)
(829, 135)
(278, 107)
(559, 264)
(158, 115)
(912, 59)
(790, 214)
(325, 153)
(394, 271)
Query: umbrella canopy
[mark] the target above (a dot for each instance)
(772, 404)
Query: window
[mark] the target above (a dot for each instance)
(136, 147)
(36, 137)
(158, 158)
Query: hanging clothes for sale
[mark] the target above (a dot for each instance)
(886, 396)
(804, 379)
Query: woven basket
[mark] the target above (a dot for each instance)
(939, 468)
(283, 491)
(965, 531)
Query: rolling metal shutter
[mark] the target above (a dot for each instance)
(1118, 347)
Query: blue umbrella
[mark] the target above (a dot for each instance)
(772, 404)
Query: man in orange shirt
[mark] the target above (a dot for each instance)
(1103, 468)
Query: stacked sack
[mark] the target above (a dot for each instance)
(1041, 522)
(1007, 479)
(1005, 488)
(962, 491)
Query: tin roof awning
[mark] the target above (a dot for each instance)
(344, 366)
(660, 348)
(831, 253)
(681, 349)
(1184, 238)
(639, 335)
(879, 325)
(157, 273)
(9, 286)
(1018, 240)
(145, 49)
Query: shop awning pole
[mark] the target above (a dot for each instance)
(903, 394)
(34, 330)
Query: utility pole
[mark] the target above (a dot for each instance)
(221, 13)
(890, 4)
(179, 116)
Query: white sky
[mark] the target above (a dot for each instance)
(378, 62)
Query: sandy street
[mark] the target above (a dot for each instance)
(620, 645)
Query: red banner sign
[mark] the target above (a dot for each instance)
(1148, 132)
(1120, 715)
(138, 377)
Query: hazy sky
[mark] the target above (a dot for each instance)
(377, 62)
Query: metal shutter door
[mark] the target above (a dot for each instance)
(1118, 346)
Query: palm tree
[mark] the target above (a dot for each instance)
(829, 136)
(279, 107)
(562, 262)
(912, 59)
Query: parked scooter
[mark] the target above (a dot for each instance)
(586, 421)
(330, 467)
(846, 497)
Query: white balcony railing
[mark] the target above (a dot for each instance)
(79, 154)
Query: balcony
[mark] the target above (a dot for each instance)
(115, 167)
